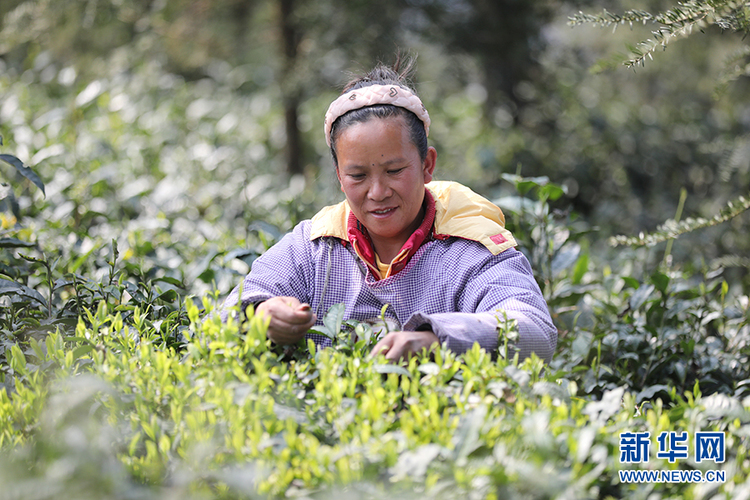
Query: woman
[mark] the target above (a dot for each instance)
(436, 252)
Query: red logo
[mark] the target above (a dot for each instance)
(498, 239)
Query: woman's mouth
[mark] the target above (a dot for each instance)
(382, 212)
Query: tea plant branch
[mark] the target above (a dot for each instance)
(607, 19)
(735, 66)
(675, 23)
(730, 261)
(383, 319)
(680, 206)
(508, 332)
(673, 229)
(48, 274)
(658, 352)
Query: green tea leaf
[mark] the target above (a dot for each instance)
(8, 287)
(23, 170)
(170, 280)
(649, 392)
(82, 350)
(580, 269)
(168, 296)
(640, 296)
(661, 281)
(631, 282)
(17, 360)
(565, 258)
(15, 243)
(333, 319)
(392, 369)
(551, 192)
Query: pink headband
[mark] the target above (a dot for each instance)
(375, 94)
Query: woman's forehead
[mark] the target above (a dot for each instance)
(375, 141)
(392, 128)
(374, 120)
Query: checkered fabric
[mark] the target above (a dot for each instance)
(455, 286)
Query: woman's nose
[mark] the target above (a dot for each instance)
(379, 190)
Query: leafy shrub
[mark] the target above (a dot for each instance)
(227, 416)
(653, 329)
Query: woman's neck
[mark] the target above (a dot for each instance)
(388, 248)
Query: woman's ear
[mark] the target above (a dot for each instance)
(428, 167)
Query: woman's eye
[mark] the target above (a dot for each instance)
(395, 171)
(357, 177)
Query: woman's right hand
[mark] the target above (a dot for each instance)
(290, 319)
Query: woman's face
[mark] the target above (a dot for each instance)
(383, 178)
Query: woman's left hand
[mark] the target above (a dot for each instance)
(403, 345)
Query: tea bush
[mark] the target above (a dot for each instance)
(115, 410)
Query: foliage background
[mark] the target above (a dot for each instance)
(178, 139)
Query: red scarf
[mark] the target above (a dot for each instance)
(360, 239)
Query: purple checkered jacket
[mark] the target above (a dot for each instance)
(456, 287)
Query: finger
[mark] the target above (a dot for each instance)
(304, 311)
(296, 315)
(297, 329)
(297, 320)
(285, 334)
(280, 303)
(300, 318)
(382, 347)
(397, 353)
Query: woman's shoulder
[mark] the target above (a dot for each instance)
(330, 221)
(306, 235)
(315, 233)
(462, 213)
(461, 253)
(298, 246)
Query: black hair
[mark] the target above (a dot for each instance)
(382, 75)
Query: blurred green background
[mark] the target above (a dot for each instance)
(190, 129)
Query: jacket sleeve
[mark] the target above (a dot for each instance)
(503, 286)
(282, 271)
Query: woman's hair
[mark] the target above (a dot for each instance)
(381, 74)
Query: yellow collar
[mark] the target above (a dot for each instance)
(459, 212)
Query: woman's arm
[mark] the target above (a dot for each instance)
(282, 272)
(503, 286)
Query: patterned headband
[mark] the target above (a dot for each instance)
(375, 94)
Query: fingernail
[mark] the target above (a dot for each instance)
(305, 307)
